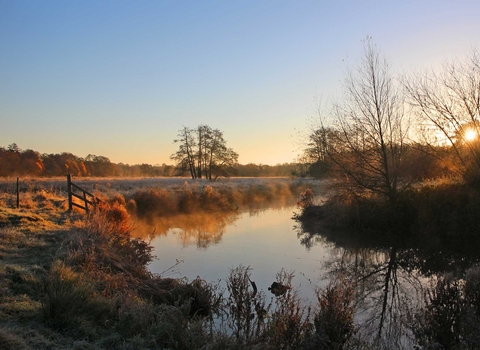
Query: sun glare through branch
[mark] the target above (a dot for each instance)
(470, 135)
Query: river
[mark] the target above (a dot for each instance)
(265, 240)
(390, 280)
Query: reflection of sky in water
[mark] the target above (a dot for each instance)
(265, 241)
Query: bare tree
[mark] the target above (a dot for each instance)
(448, 106)
(185, 157)
(372, 129)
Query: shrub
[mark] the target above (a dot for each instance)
(109, 219)
(306, 199)
(104, 249)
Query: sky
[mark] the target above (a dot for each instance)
(120, 78)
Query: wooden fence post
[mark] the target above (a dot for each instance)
(18, 194)
(69, 188)
(86, 201)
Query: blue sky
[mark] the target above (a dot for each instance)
(120, 78)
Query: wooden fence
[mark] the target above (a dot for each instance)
(76, 191)
(18, 193)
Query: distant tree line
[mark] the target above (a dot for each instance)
(265, 170)
(17, 162)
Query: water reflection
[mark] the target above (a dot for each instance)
(389, 272)
(200, 229)
(203, 228)
(386, 290)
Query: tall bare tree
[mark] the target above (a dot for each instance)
(185, 156)
(372, 128)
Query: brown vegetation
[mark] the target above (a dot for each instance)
(226, 197)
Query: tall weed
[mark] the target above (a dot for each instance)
(334, 321)
(290, 325)
(245, 307)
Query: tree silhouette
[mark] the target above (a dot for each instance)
(448, 105)
(372, 129)
(203, 153)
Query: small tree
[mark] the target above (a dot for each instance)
(320, 142)
(185, 156)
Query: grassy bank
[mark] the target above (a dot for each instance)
(74, 282)
(447, 210)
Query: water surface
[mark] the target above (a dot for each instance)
(266, 240)
(389, 279)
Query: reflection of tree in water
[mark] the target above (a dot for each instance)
(204, 228)
(201, 229)
(386, 289)
(389, 277)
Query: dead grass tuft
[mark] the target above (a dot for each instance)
(9, 339)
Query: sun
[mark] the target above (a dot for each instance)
(470, 135)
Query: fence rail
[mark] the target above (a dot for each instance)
(86, 197)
